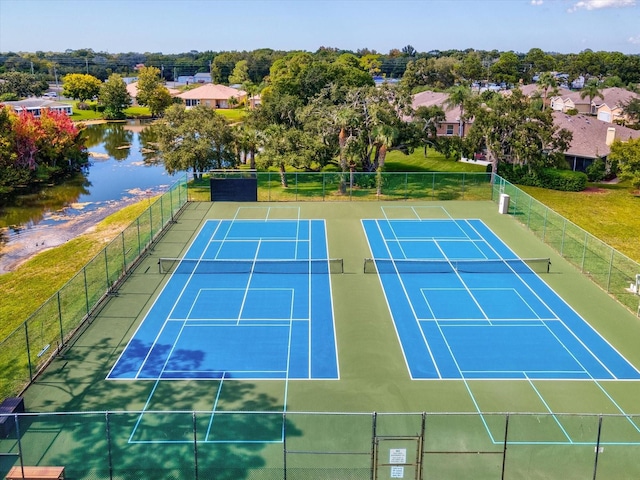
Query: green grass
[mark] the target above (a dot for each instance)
(434, 162)
(31, 284)
(234, 115)
(609, 212)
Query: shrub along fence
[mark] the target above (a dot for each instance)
(31, 346)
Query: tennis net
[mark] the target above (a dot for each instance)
(268, 266)
(516, 265)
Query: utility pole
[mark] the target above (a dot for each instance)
(31, 68)
(86, 60)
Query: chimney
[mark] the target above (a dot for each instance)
(611, 136)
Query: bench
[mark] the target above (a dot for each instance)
(36, 473)
(8, 407)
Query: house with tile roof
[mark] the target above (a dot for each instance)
(592, 138)
(214, 96)
(610, 108)
(132, 89)
(451, 124)
(35, 106)
(568, 100)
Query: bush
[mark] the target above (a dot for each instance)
(597, 171)
(551, 178)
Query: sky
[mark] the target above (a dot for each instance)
(179, 26)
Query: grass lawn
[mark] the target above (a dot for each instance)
(609, 212)
(31, 284)
(434, 162)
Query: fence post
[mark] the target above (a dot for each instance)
(613, 252)
(504, 446)
(124, 255)
(374, 426)
(109, 453)
(86, 289)
(584, 251)
(195, 446)
(138, 230)
(26, 337)
(106, 268)
(284, 445)
(60, 319)
(595, 463)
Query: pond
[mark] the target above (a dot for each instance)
(122, 171)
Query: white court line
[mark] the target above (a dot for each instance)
(404, 289)
(533, 291)
(175, 304)
(546, 405)
(463, 282)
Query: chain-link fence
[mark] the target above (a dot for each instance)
(613, 271)
(295, 445)
(25, 351)
(356, 186)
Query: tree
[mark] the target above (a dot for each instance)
(632, 110)
(287, 147)
(197, 139)
(427, 120)
(510, 129)
(80, 86)
(591, 89)
(548, 84)
(115, 97)
(459, 96)
(506, 68)
(149, 82)
(21, 85)
(409, 51)
(627, 155)
(240, 73)
(159, 101)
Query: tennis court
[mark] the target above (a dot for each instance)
(236, 347)
(250, 299)
(465, 306)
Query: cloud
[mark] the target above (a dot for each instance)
(537, 2)
(598, 4)
(634, 40)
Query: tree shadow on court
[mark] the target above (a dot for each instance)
(151, 429)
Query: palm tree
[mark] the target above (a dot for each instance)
(459, 96)
(385, 136)
(548, 84)
(592, 90)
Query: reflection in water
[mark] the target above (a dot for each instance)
(116, 177)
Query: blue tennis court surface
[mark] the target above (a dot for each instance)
(465, 307)
(251, 299)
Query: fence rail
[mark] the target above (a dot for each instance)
(31, 346)
(603, 264)
(303, 445)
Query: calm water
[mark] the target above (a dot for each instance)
(122, 171)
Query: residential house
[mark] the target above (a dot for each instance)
(592, 138)
(201, 77)
(610, 107)
(567, 100)
(35, 106)
(132, 89)
(215, 96)
(451, 124)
